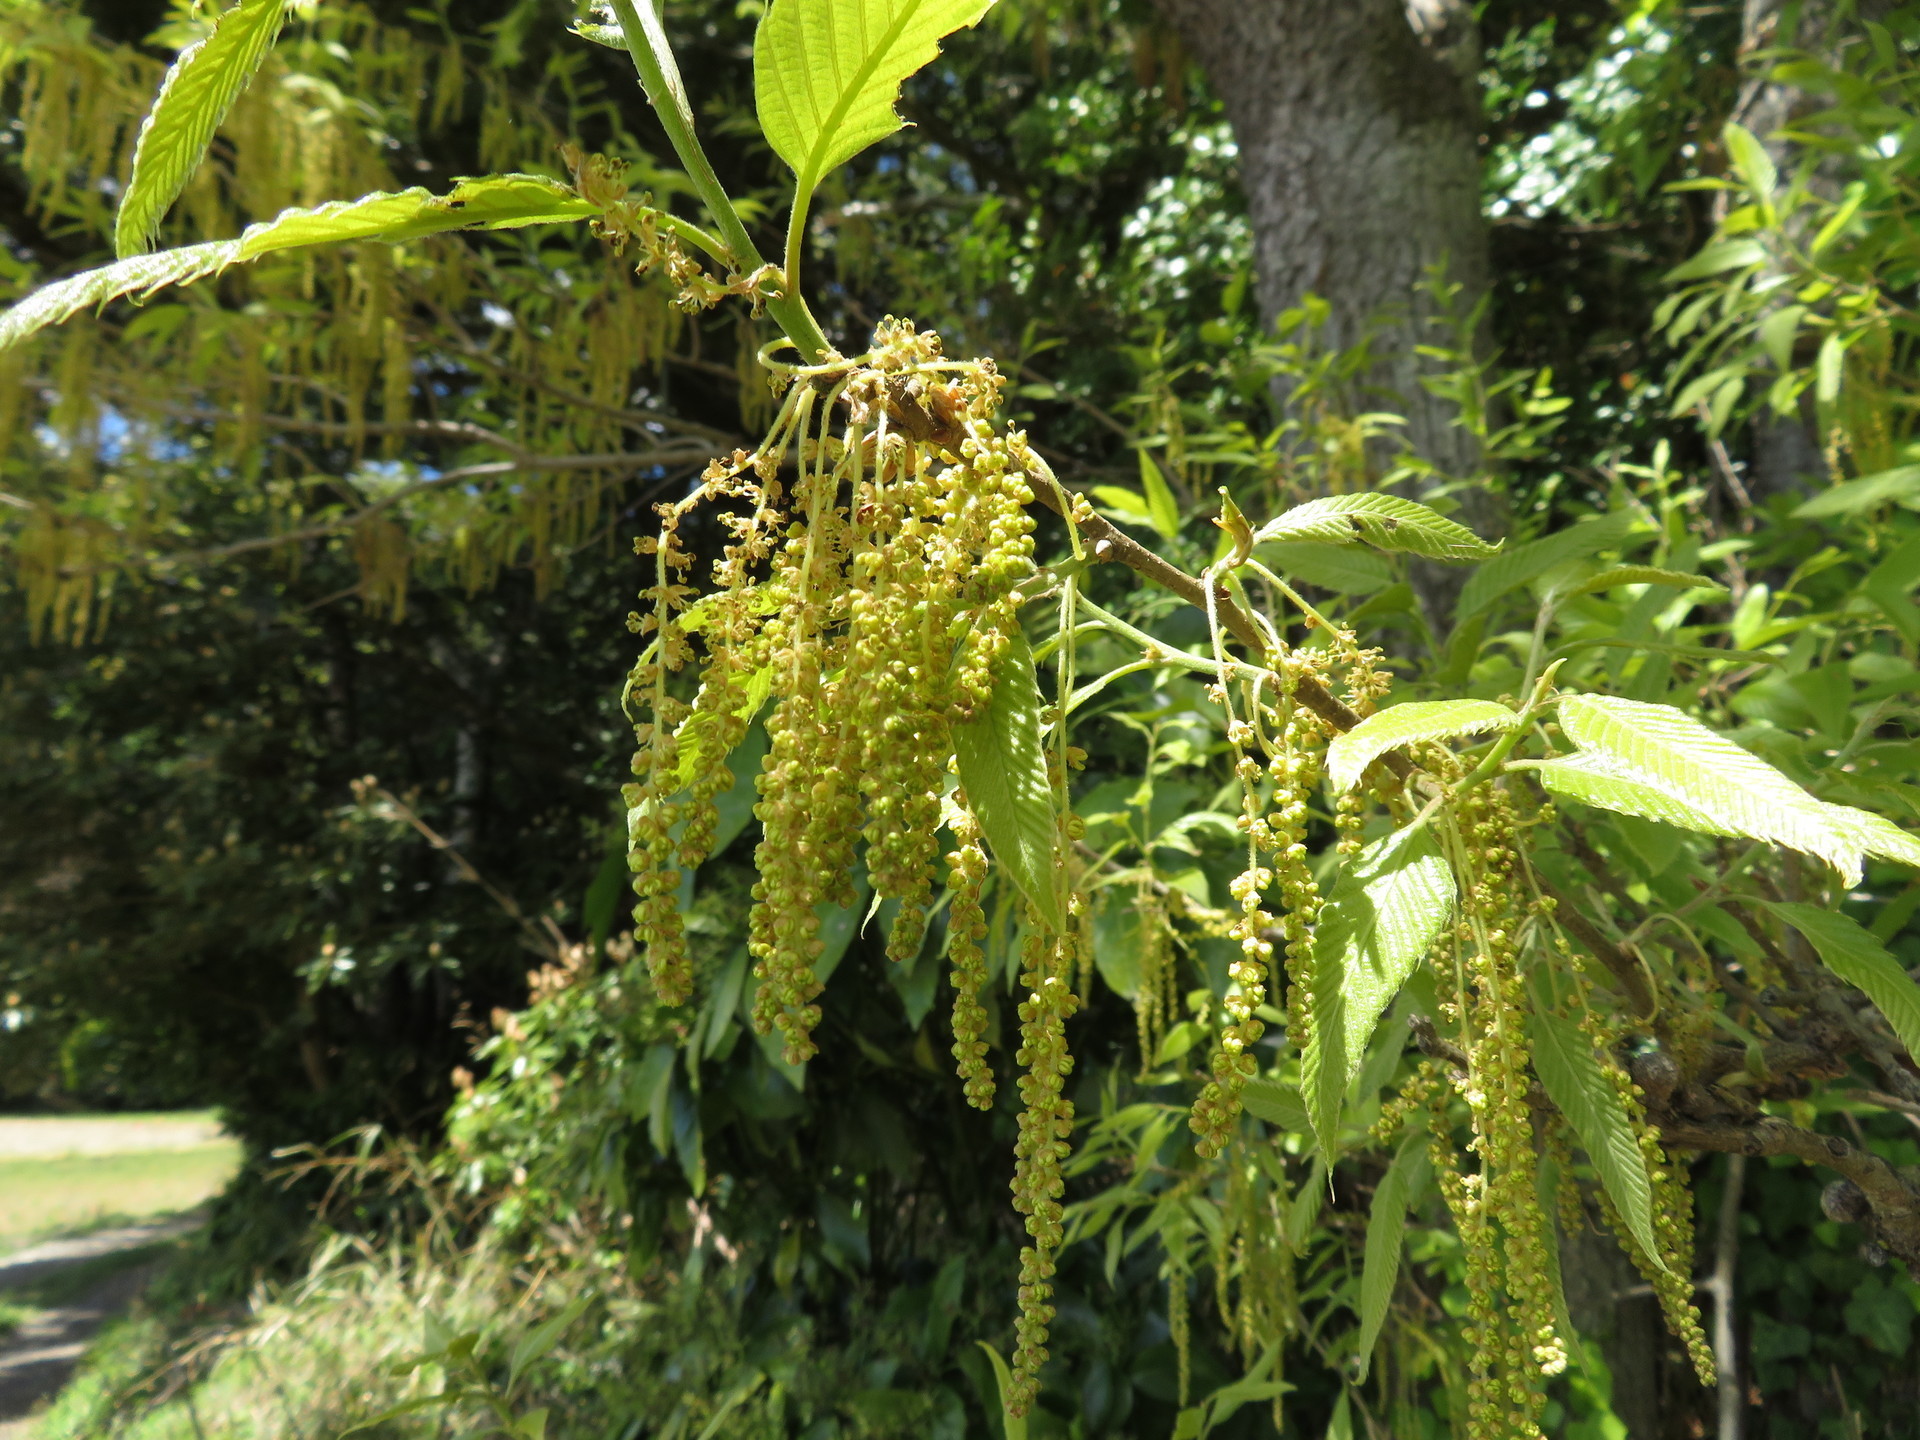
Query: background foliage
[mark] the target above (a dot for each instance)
(199, 905)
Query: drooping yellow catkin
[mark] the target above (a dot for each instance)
(1216, 1110)
(966, 928)
(1503, 1228)
(1046, 1123)
(1156, 1002)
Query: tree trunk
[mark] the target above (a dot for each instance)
(1358, 128)
(1786, 458)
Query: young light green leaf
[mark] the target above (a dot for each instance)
(1602, 781)
(201, 86)
(1574, 1081)
(1005, 774)
(1829, 368)
(1739, 792)
(1636, 575)
(1350, 754)
(1851, 952)
(1877, 835)
(1852, 497)
(494, 202)
(138, 276)
(1163, 513)
(1384, 913)
(1526, 562)
(1386, 1236)
(826, 73)
(1384, 521)
(1128, 505)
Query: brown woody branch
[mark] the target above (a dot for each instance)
(1880, 1200)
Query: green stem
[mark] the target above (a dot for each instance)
(789, 312)
(1503, 747)
(715, 247)
(796, 239)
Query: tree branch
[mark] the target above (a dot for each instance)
(1886, 1206)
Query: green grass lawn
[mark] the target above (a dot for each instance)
(64, 1194)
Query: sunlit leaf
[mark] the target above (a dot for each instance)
(495, 202)
(1661, 748)
(1387, 522)
(1756, 166)
(1350, 754)
(1877, 835)
(201, 86)
(1852, 497)
(826, 73)
(1382, 916)
(1162, 512)
(1619, 575)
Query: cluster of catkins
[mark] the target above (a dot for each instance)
(1280, 749)
(877, 537)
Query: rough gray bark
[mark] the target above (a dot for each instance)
(1357, 123)
(1358, 126)
(1785, 452)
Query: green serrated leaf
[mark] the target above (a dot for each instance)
(1877, 835)
(1528, 562)
(1386, 1236)
(1384, 913)
(1852, 497)
(1275, 1103)
(1669, 751)
(494, 202)
(1384, 521)
(202, 84)
(1636, 575)
(1162, 512)
(1601, 781)
(1350, 754)
(1851, 952)
(1004, 771)
(826, 73)
(1574, 1081)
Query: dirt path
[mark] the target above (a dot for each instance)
(29, 1137)
(39, 1357)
